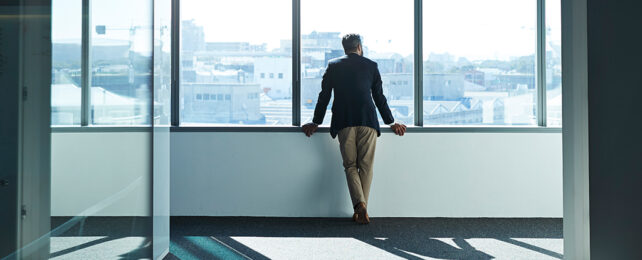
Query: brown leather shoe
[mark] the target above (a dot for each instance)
(354, 217)
(361, 214)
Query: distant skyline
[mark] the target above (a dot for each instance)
(458, 27)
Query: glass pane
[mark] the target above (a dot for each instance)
(161, 123)
(236, 62)
(101, 183)
(66, 29)
(386, 29)
(553, 63)
(121, 62)
(479, 62)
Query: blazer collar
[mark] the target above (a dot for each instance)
(352, 54)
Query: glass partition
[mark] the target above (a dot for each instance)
(110, 189)
(161, 106)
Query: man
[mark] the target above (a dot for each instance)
(356, 83)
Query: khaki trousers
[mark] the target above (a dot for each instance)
(357, 144)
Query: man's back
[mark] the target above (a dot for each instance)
(356, 83)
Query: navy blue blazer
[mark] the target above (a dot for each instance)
(356, 83)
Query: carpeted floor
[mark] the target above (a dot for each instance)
(313, 238)
(384, 238)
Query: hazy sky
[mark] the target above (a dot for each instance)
(475, 29)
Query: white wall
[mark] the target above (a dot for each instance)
(100, 174)
(287, 174)
(418, 175)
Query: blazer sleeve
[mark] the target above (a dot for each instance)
(379, 99)
(324, 97)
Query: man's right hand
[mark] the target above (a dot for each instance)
(399, 129)
(310, 128)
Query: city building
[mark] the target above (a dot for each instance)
(222, 103)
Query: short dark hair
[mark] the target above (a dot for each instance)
(350, 42)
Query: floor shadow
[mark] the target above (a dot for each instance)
(380, 227)
(532, 247)
(427, 247)
(203, 247)
(109, 228)
(410, 238)
(81, 246)
(142, 251)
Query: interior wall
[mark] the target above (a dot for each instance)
(100, 174)
(575, 130)
(9, 126)
(289, 175)
(418, 175)
(615, 136)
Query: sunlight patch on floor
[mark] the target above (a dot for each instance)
(314, 248)
(352, 248)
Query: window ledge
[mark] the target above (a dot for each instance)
(292, 129)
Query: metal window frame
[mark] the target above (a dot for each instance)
(419, 73)
(540, 63)
(540, 78)
(297, 129)
(296, 62)
(175, 63)
(85, 65)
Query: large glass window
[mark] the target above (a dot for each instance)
(65, 62)
(479, 62)
(121, 62)
(235, 64)
(553, 63)
(230, 54)
(386, 29)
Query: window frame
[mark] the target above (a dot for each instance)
(416, 126)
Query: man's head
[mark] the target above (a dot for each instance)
(352, 43)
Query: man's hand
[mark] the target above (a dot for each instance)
(399, 129)
(310, 128)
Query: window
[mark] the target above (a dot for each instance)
(121, 62)
(65, 62)
(389, 42)
(227, 46)
(553, 63)
(479, 62)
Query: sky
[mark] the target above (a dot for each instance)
(474, 29)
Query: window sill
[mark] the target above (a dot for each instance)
(293, 129)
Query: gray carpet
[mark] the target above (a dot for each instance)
(384, 238)
(100, 238)
(311, 238)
